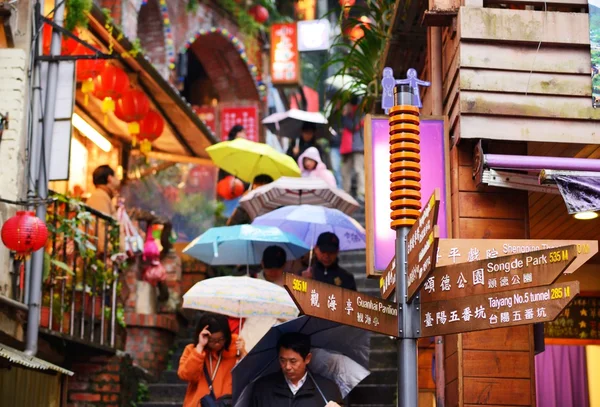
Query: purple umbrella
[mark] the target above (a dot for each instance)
(307, 222)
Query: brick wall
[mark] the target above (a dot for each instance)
(150, 31)
(102, 381)
(13, 99)
(149, 338)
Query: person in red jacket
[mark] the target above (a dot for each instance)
(215, 347)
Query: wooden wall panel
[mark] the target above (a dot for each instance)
(501, 364)
(497, 391)
(510, 339)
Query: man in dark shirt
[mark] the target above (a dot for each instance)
(326, 268)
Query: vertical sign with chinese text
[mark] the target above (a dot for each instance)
(346, 307)
(246, 116)
(285, 58)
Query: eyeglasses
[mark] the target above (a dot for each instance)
(216, 341)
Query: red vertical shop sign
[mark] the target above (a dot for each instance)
(247, 116)
(208, 115)
(285, 58)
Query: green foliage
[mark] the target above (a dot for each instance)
(143, 392)
(360, 62)
(77, 11)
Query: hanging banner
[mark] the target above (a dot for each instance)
(595, 49)
(581, 194)
(208, 115)
(246, 116)
(285, 59)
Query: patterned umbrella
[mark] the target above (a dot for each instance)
(307, 222)
(241, 297)
(296, 191)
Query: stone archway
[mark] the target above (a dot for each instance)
(151, 31)
(224, 58)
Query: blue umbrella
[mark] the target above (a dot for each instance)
(309, 221)
(242, 244)
(345, 361)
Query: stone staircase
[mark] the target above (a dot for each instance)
(377, 390)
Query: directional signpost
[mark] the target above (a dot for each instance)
(501, 310)
(387, 283)
(421, 246)
(338, 304)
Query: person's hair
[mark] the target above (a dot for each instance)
(296, 341)
(309, 126)
(216, 323)
(101, 174)
(262, 179)
(234, 131)
(274, 257)
(354, 100)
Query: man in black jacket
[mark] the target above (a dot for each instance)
(294, 385)
(326, 268)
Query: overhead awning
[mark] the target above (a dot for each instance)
(20, 358)
(185, 133)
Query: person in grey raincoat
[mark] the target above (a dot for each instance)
(294, 385)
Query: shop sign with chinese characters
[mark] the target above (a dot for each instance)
(285, 58)
(500, 310)
(347, 307)
(525, 270)
(454, 251)
(246, 116)
(421, 245)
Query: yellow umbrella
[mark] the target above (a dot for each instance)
(246, 159)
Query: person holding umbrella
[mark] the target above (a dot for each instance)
(207, 363)
(326, 268)
(306, 140)
(294, 385)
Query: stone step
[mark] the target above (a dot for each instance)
(170, 376)
(167, 391)
(382, 375)
(369, 394)
(381, 359)
(353, 256)
(160, 403)
(383, 343)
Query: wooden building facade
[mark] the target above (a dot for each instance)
(515, 78)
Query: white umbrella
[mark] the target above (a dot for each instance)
(241, 297)
(342, 82)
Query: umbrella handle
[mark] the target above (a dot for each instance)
(317, 386)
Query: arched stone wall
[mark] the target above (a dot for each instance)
(151, 32)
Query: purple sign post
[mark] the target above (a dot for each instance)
(434, 172)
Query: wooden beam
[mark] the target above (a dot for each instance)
(524, 82)
(524, 26)
(539, 3)
(573, 60)
(179, 158)
(548, 130)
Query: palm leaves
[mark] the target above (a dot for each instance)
(358, 64)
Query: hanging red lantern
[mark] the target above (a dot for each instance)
(151, 128)
(87, 70)
(109, 86)
(259, 13)
(24, 234)
(230, 187)
(357, 32)
(132, 107)
(68, 44)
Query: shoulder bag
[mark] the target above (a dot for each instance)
(210, 400)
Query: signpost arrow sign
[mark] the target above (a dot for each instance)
(500, 310)
(525, 270)
(421, 246)
(347, 307)
(387, 282)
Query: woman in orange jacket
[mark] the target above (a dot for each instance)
(211, 347)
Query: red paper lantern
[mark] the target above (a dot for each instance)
(109, 86)
(87, 69)
(24, 234)
(68, 44)
(259, 13)
(346, 5)
(151, 128)
(230, 188)
(132, 107)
